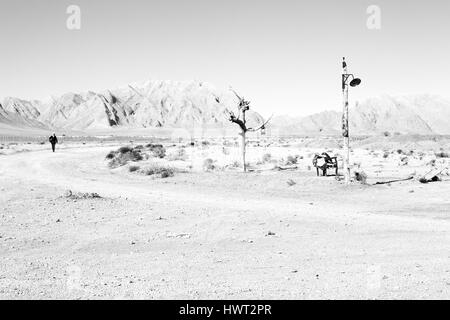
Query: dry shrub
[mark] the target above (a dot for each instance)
(442, 155)
(124, 149)
(155, 169)
(361, 177)
(291, 160)
(133, 168)
(157, 150)
(122, 156)
(180, 154)
(209, 165)
(235, 164)
(267, 157)
(111, 155)
(404, 161)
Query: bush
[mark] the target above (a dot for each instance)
(266, 157)
(111, 155)
(124, 150)
(122, 156)
(404, 161)
(155, 169)
(133, 168)
(208, 165)
(361, 177)
(157, 150)
(442, 155)
(291, 160)
(235, 164)
(180, 154)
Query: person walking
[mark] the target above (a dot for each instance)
(53, 140)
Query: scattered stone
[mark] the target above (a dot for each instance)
(291, 182)
(80, 195)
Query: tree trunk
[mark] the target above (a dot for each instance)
(243, 150)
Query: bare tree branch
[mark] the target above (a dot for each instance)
(263, 126)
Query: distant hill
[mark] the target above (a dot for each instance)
(193, 104)
(420, 114)
(152, 104)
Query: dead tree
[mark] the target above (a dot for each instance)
(241, 121)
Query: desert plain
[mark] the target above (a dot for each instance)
(189, 224)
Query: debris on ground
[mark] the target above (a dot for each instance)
(280, 168)
(432, 179)
(434, 175)
(81, 195)
(291, 182)
(391, 181)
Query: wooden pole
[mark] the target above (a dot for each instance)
(345, 131)
(243, 143)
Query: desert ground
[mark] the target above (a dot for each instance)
(74, 226)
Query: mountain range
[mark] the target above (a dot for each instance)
(171, 104)
(415, 114)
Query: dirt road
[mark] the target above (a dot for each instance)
(214, 235)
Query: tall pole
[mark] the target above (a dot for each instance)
(345, 133)
(243, 143)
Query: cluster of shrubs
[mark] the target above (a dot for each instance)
(154, 169)
(123, 155)
(157, 150)
(126, 154)
(442, 154)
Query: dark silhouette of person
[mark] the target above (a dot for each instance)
(53, 140)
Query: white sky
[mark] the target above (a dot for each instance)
(284, 56)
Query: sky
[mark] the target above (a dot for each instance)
(284, 56)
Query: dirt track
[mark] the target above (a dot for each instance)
(197, 236)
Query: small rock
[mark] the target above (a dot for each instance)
(59, 220)
(270, 233)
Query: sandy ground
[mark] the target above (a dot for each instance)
(201, 235)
